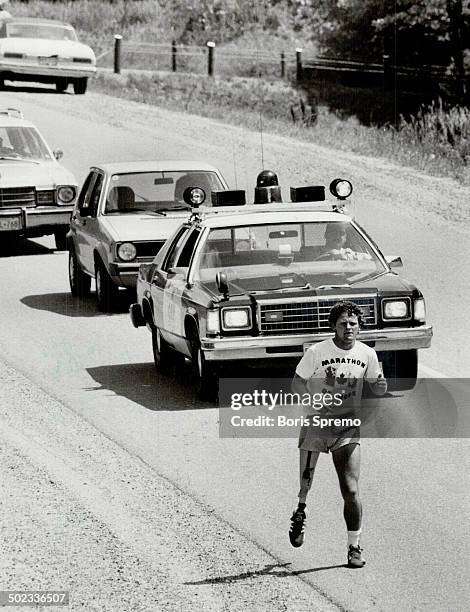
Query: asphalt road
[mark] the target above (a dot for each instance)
(99, 371)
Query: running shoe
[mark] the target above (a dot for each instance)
(296, 531)
(355, 558)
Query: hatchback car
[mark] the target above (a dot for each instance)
(255, 283)
(45, 51)
(124, 214)
(36, 192)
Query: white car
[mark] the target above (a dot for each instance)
(37, 193)
(45, 51)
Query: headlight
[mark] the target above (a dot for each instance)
(126, 251)
(419, 310)
(65, 194)
(236, 318)
(396, 309)
(213, 326)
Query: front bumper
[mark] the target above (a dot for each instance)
(125, 274)
(274, 347)
(10, 70)
(31, 220)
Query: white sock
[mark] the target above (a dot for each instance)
(353, 538)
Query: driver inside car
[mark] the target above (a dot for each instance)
(336, 238)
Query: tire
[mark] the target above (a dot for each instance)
(80, 86)
(106, 290)
(61, 85)
(80, 283)
(205, 375)
(60, 236)
(161, 352)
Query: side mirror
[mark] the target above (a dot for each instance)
(177, 270)
(58, 154)
(222, 284)
(85, 211)
(394, 261)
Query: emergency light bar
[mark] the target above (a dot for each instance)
(314, 193)
(235, 197)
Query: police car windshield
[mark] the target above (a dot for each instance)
(270, 257)
(156, 191)
(22, 143)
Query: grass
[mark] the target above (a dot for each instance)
(435, 140)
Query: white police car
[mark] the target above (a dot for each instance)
(256, 283)
(36, 192)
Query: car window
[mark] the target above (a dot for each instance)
(38, 30)
(82, 198)
(23, 142)
(156, 191)
(95, 193)
(173, 251)
(187, 250)
(277, 256)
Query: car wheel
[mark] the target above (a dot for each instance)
(61, 85)
(162, 354)
(80, 86)
(80, 283)
(60, 236)
(106, 290)
(205, 375)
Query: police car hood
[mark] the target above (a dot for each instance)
(46, 47)
(28, 173)
(132, 226)
(296, 286)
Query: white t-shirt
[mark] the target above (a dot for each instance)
(329, 369)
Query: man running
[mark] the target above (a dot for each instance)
(336, 366)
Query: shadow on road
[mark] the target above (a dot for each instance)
(68, 306)
(16, 247)
(278, 570)
(142, 384)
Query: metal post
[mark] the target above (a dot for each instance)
(117, 53)
(210, 58)
(283, 65)
(298, 61)
(173, 55)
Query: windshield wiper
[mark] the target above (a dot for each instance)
(180, 207)
(11, 158)
(133, 210)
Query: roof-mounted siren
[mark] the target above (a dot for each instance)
(267, 188)
(341, 188)
(194, 196)
(234, 197)
(312, 193)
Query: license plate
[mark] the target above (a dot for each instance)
(10, 223)
(48, 61)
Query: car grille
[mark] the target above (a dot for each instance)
(13, 197)
(148, 250)
(309, 315)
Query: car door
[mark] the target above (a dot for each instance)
(169, 284)
(78, 222)
(93, 235)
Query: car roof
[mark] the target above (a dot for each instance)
(13, 120)
(40, 21)
(154, 166)
(263, 214)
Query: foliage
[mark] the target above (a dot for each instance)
(411, 31)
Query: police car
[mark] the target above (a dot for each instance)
(36, 192)
(255, 283)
